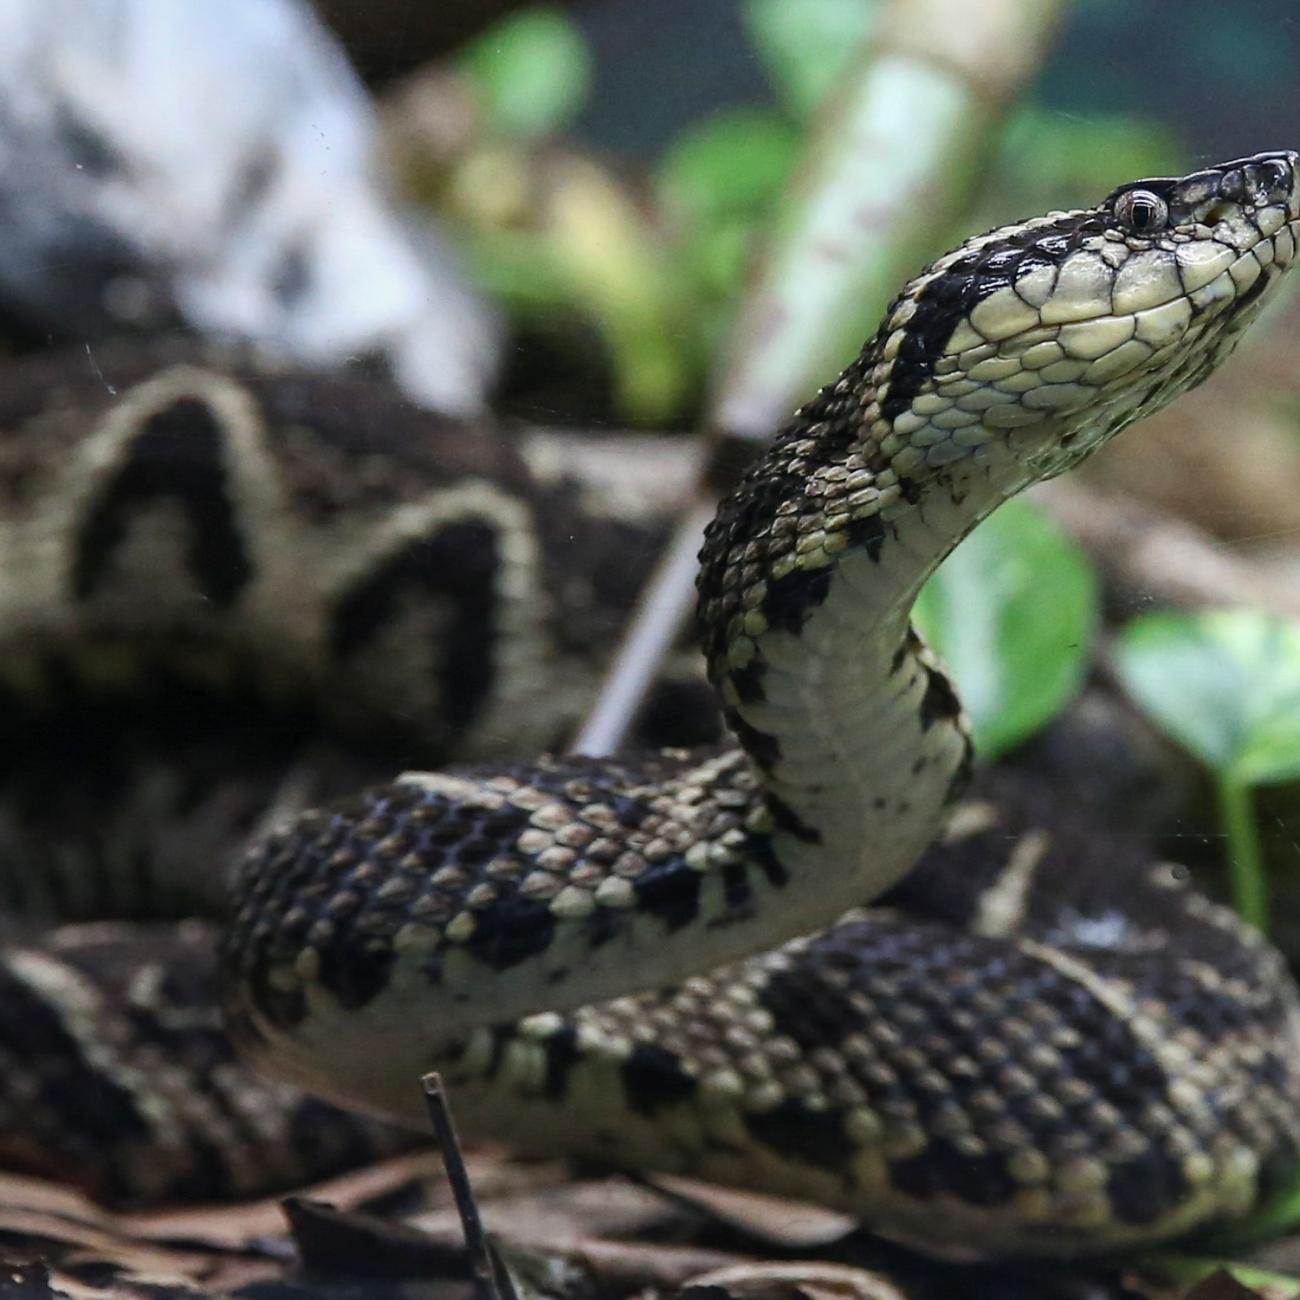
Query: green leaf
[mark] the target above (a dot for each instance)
(532, 71)
(1012, 612)
(805, 47)
(1223, 683)
(716, 186)
(734, 163)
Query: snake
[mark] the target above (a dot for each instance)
(168, 684)
(806, 959)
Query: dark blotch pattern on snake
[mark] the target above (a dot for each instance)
(606, 956)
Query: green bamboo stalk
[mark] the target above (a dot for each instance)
(894, 164)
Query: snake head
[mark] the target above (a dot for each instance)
(1238, 201)
(1031, 345)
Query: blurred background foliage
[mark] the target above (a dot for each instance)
(617, 161)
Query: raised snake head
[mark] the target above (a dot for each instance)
(1046, 337)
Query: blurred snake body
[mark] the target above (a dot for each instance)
(659, 961)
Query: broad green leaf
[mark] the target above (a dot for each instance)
(532, 71)
(1012, 613)
(805, 47)
(735, 162)
(1224, 683)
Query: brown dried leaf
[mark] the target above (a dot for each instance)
(772, 1220)
(195, 1250)
(556, 1217)
(72, 1240)
(251, 1225)
(62, 1214)
(795, 1281)
(622, 1266)
(350, 1243)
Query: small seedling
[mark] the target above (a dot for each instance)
(1225, 684)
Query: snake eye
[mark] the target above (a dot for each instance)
(1141, 211)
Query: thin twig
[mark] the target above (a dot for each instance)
(491, 1279)
(661, 610)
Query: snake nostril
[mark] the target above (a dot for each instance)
(1220, 211)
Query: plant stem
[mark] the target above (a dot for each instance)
(1245, 857)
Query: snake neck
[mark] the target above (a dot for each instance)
(856, 733)
(1008, 360)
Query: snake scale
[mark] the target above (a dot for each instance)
(664, 960)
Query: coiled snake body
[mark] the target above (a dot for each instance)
(572, 942)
